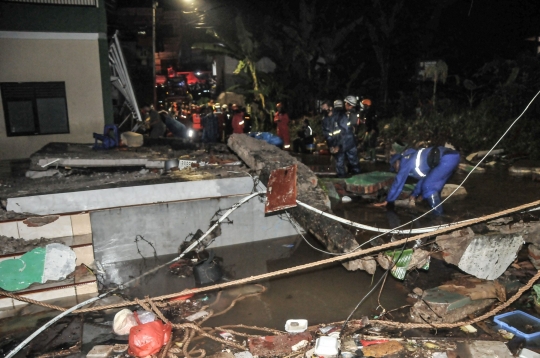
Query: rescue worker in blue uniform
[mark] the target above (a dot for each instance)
(339, 135)
(431, 166)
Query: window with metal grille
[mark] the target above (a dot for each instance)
(32, 108)
(60, 2)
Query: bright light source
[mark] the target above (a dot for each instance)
(190, 133)
(198, 73)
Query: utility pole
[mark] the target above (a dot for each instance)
(154, 6)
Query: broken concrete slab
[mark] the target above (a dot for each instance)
(456, 300)
(264, 158)
(129, 196)
(484, 256)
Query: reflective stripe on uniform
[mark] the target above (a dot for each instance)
(417, 168)
(241, 123)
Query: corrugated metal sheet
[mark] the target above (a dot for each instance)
(93, 3)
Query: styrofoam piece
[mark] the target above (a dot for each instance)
(300, 345)
(245, 354)
(527, 353)
(196, 316)
(296, 325)
(100, 352)
(511, 321)
(327, 347)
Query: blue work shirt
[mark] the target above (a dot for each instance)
(407, 169)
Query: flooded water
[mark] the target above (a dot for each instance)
(329, 293)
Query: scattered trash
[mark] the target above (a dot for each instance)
(124, 320)
(505, 334)
(406, 260)
(366, 343)
(100, 352)
(245, 354)
(120, 348)
(383, 349)
(468, 329)
(208, 271)
(520, 323)
(145, 316)
(296, 325)
(300, 345)
(325, 330)
(196, 316)
(430, 345)
(346, 199)
(327, 347)
(146, 339)
(227, 336)
(272, 346)
(288, 245)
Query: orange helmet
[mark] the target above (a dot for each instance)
(366, 102)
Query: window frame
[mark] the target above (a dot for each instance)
(33, 98)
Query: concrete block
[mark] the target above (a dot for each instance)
(489, 349)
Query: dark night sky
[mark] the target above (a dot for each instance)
(470, 32)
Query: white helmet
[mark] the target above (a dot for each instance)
(351, 100)
(338, 103)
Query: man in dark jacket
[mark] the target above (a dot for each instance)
(340, 138)
(210, 126)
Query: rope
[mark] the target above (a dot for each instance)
(346, 256)
(343, 257)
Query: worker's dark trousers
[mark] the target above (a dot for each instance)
(352, 157)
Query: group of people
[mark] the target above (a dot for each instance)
(432, 167)
(209, 123)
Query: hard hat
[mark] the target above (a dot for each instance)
(366, 102)
(338, 103)
(350, 100)
(224, 106)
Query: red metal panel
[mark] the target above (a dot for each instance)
(281, 192)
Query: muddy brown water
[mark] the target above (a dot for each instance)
(328, 293)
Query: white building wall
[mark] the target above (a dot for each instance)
(43, 57)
